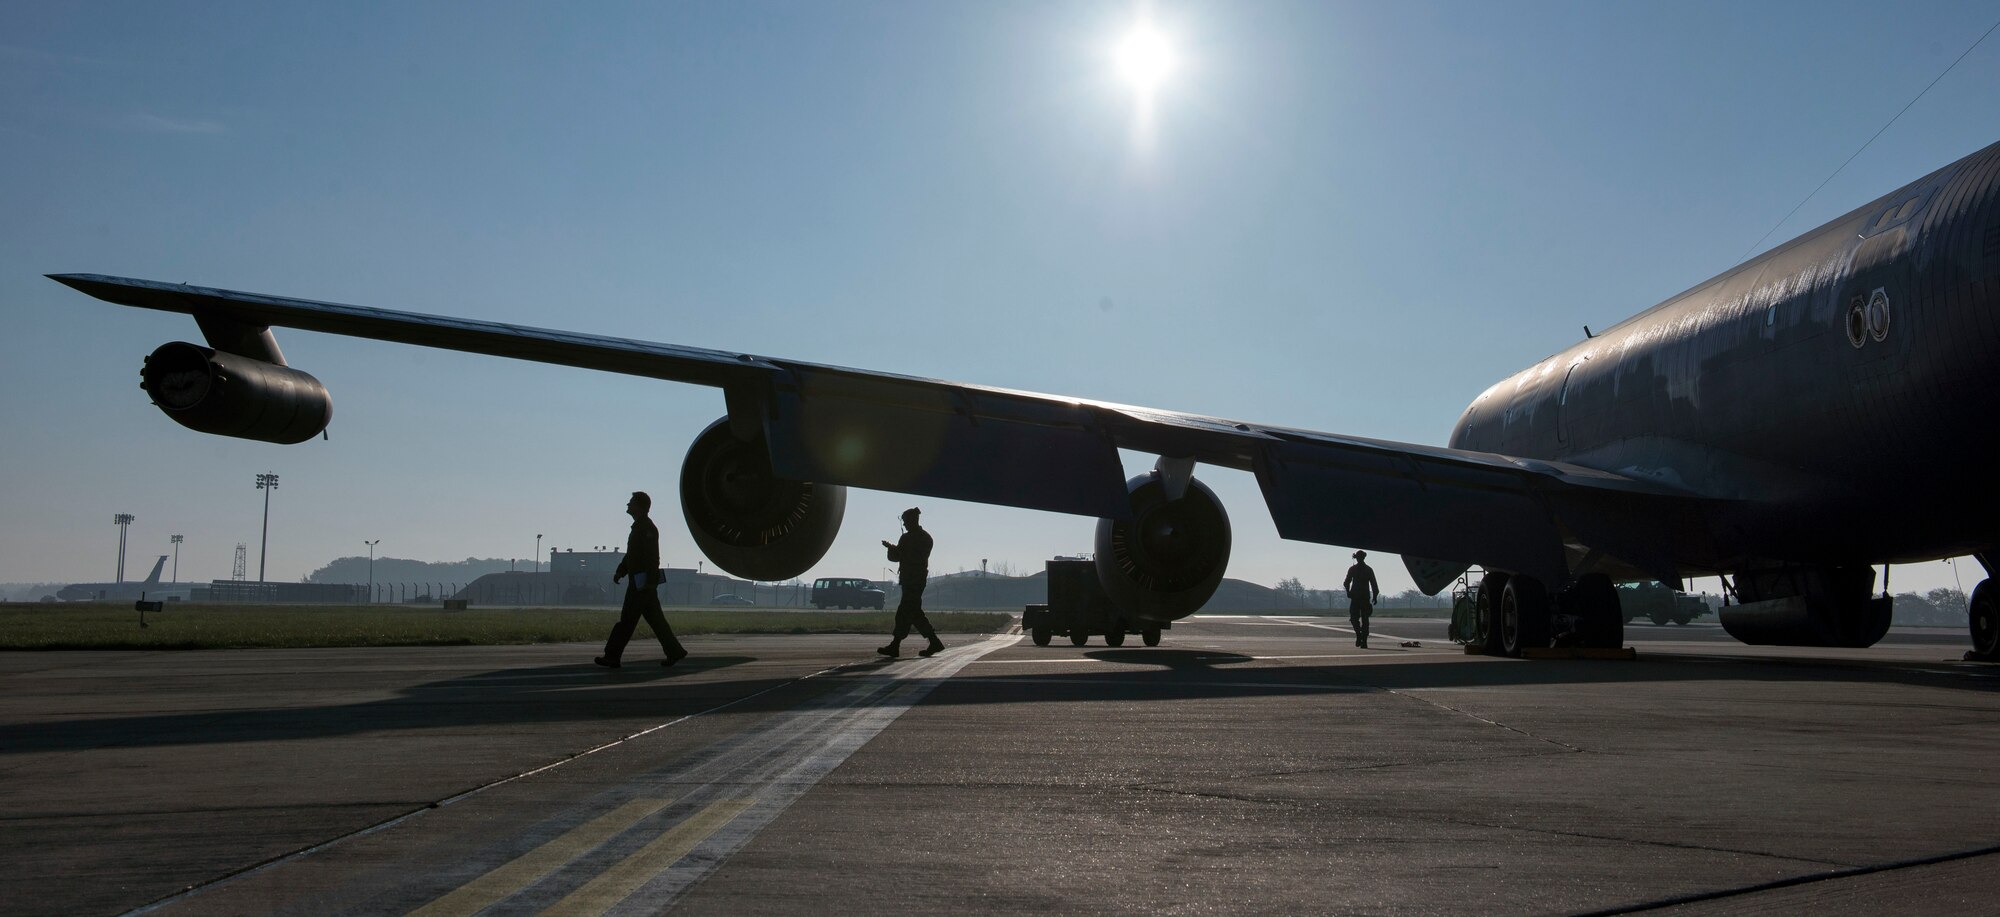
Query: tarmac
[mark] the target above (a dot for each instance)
(1246, 765)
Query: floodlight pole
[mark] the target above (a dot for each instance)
(122, 520)
(538, 552)
(265, 482)
(177, 557)
(371, 567)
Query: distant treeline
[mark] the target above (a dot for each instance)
(1936, 608)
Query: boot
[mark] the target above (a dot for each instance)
(606, 662)
(890, 651)
(936, 647)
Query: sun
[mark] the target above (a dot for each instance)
(1145, 58)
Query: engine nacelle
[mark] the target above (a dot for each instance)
(232, 395)
(746, 519)
(1168, 559)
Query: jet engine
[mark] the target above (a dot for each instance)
(233, 395)
(1167, 560)
(749, 521)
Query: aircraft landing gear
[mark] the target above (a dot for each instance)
(1983, 611)
(1486, 614)
(1592, 615)
(1524, 615)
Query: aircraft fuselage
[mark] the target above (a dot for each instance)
(1834, 395)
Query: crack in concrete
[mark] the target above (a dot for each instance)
(1814, 878)
(1643, 842)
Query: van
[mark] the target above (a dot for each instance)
(846, 593)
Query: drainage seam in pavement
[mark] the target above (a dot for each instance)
(386, 824)
(1794, 881)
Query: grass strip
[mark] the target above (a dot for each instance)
(187, 626)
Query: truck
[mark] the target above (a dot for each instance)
(1078, 608)
(1658, 604)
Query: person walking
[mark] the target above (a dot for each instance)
(912, 554)
(642, 597)
(1362, 593)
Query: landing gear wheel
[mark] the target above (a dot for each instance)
(1151, 636)
(1042, 636)
(1524, 615)
(1486, 614)
(1116, 635)
(1078, 638)
(1594, 602)
(1984, 614)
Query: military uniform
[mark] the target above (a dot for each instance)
(641, 570)
(1362, 593)
(912, 555)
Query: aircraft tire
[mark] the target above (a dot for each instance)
(1594, 601)
(1078, 638)
(1524, 615)
(1151, 636)
(1116, 635)
(1042, 636)
(1983, 614)
(1486, 623)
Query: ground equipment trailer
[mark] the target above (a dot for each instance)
(1078, 608)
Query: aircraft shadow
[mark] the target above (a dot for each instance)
(549, 694)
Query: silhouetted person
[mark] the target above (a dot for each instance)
(1362, 593)
(912, 554)
(642, 563)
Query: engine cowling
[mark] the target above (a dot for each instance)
(749, 521)
(1168, 559)
(233, 395)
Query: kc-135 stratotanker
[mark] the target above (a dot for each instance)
(1824, 407)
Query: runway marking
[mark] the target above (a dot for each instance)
(735, 787)
(619, 882)
(530, 867)
(1372, 632)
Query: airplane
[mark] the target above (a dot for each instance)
(1787, 424)
(150, 587)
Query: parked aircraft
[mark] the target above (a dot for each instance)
(150, 587)
(1789, 423)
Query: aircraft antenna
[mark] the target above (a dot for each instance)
(1871, 140)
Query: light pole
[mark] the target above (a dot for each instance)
(265, 482)
(371, 567)
(538, 552)
(177, 557)
(122, 520)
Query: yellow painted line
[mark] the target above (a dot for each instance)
(525, 869)
(620, 881)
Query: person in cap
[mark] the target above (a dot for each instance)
(1362, 593)
(642, 597)
(912, 555)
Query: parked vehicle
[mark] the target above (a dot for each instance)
(1078, 608)
(730, 598)
(841, 592)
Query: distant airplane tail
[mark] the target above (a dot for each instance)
(154, 577)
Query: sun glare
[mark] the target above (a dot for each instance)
(1145, 58)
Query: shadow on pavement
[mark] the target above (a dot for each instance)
(578, 693)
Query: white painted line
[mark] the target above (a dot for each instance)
(1372, 632)
(728, 791)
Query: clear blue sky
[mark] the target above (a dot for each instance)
(1346, 217)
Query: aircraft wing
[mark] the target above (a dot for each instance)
(959, 441)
